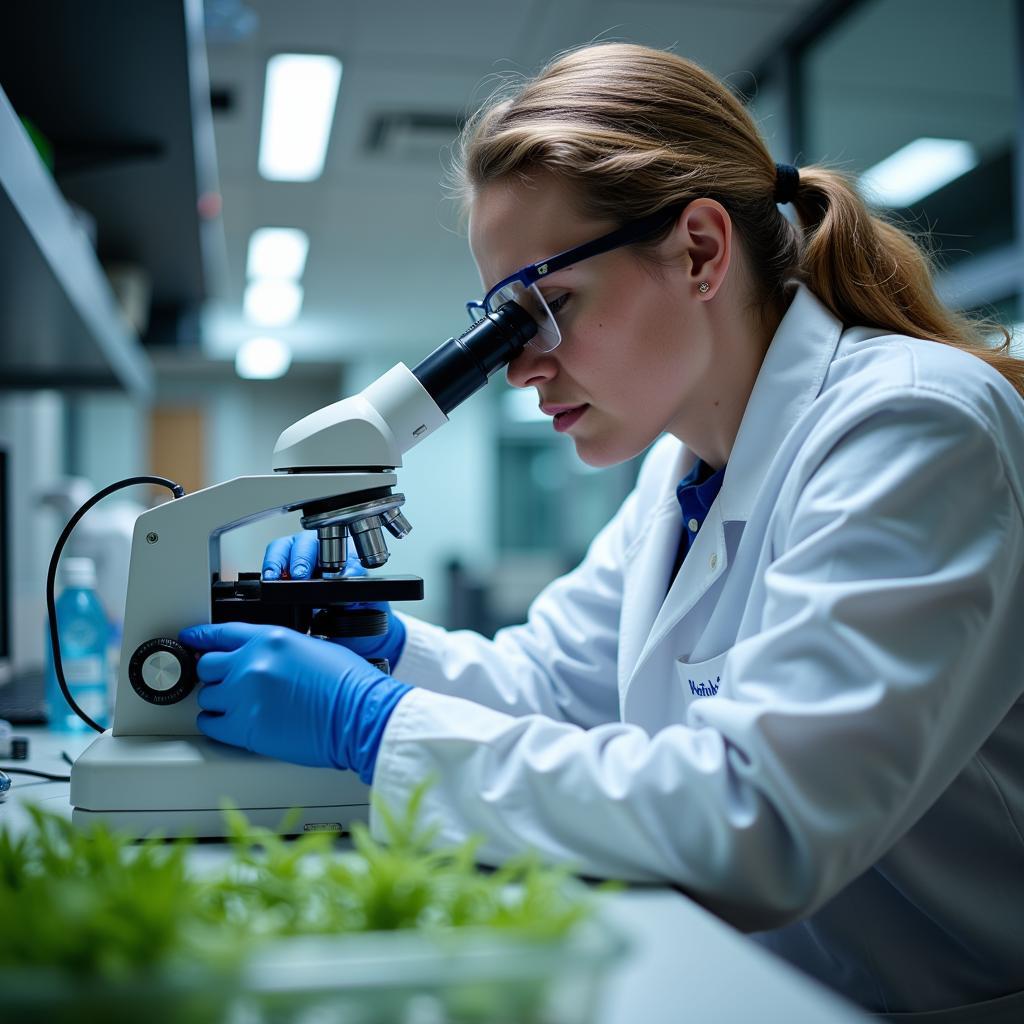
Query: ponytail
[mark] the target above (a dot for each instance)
(871, 273)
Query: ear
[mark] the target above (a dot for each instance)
(701, 244)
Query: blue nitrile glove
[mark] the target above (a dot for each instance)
(287, 695)
(297, 554)
(385, 645)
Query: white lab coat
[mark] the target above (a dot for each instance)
(817, 729)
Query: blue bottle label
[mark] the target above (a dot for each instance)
(84, 671)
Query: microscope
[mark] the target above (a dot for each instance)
(153, 770)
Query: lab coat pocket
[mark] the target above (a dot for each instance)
(701, 678)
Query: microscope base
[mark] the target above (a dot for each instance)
(178, 785)
(201, 824)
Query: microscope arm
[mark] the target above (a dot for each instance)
(175, 556)
(371, 429)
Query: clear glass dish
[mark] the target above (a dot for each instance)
(47, 995)
(464, 976)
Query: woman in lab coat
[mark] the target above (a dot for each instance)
(787, 675)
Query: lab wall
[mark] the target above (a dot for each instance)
(50, 436)
(32, 426)
(108, 439)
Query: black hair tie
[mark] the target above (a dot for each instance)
(787, 181)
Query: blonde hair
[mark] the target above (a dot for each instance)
(634, 130)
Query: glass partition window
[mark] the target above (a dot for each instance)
(917, 99)
(549, 501)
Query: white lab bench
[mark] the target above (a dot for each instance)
(684, 965)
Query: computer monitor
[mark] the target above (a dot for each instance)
(5, 569)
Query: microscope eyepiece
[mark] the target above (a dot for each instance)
(462, 365)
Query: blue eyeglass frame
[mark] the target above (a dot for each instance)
(632, 231)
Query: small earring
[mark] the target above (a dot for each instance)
(703, 287)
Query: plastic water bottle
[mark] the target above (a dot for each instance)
(83, 631)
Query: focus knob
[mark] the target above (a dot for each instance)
(162, 671)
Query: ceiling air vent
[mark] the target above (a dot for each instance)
(410, 135)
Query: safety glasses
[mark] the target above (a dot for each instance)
(521, 287)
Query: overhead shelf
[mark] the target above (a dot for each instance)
(59, 322)
(120, 92)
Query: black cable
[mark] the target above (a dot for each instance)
(66, 759)
(31, 771)
(51, 574)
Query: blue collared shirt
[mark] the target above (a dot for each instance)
(696, 493)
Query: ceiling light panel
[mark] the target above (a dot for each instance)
(298, 109)
(263, 359)
(277, 253)
(917, 170)
(272, 303)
